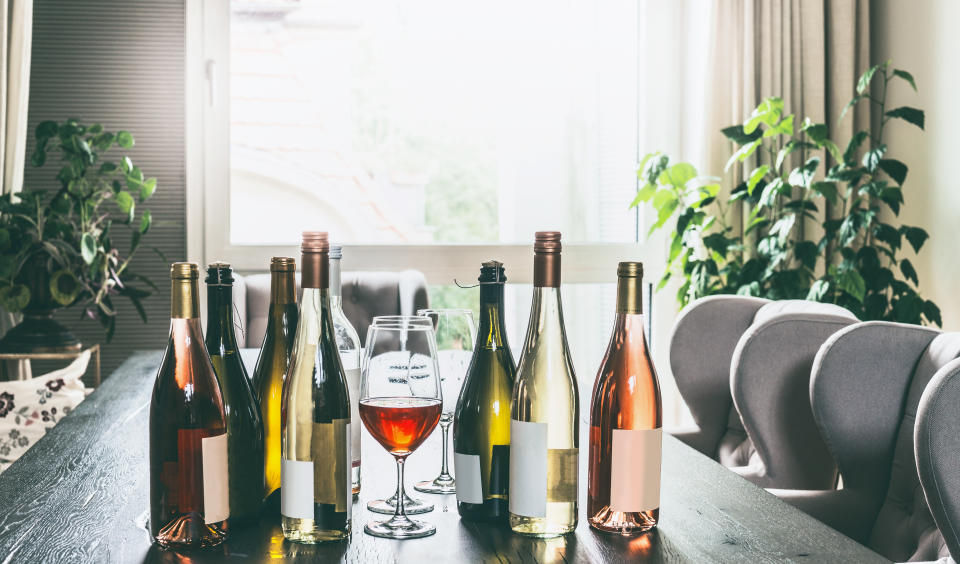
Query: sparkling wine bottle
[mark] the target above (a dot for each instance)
(271, 368)
(481, 424)
(244, 426)
(544, 411)
(625, 422)
(189, 499)
(348, 343)
(315, 499)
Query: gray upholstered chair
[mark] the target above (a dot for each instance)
(743, 366)
(865, 388)
(936, 436)
(365, 295)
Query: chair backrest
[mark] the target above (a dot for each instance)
(937, 440)
(366, 294)
(701, 347)
(865, 390)
(770, 382)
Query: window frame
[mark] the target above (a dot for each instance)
(208, 192)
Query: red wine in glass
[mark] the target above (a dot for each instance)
(400, 424)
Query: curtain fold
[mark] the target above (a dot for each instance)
(16, 32)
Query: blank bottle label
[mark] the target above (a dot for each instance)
(562, 475)
(467, 469)
(352, 371)
(528, 468)
(296, 489)
(331, 464)
(216, 496)
(635, 469)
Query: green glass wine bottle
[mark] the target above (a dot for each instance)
(244, 425)
(481, 428)
(272, 364)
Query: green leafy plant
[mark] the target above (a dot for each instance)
(57, 247)
(814, 217)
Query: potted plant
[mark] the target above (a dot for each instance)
(58, 248)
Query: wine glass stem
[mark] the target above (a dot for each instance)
(400, 512)
(444, 473)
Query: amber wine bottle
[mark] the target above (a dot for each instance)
(315, 498)
(481, 424)
(348, 342)
(544, 410)
(189, 499)
(623, 492)
(271, 368)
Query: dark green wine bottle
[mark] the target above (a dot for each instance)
(244, 425)
(481, 428)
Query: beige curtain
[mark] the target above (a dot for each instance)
(16, 30)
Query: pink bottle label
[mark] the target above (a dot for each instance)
(635, 469)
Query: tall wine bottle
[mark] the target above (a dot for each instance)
(625, 422)
(244, 426)
(189, 499)
(315, 499)
(271, 368)
(348, 343)
(481, 423)
(544, 410)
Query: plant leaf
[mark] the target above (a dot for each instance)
(909, 78)
(742, 154)
(678, 175)
(894, 169)
(736, 134)
(147, 188)
(872, 158)
(15, 297)
(802, 175)
(88, 248)
(644, 194)
(852, 283)
(915, 235)
(125, 140)
(826, 189)
(906, 267)
(851, 151)
(756, 176)
(865, 79)
(908, 114)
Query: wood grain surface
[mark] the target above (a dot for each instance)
(81, 495)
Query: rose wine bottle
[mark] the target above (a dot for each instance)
(271, 368)
(244, 426)
(481, 424)
(544, 411)
(315, 499)
(625, 422)
(189, 499)
(348, 343)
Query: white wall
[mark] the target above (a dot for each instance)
(921, 36)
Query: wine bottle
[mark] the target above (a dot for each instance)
(272, 367)
(625, 422)
(481, 423)
(348, 343)
(315, 500)
(189, 495)
(244, 426)
(544, 410)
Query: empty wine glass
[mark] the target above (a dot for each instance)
(456, 332)
(400, 361)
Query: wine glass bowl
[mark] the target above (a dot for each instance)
(455, 332)
(400, 405)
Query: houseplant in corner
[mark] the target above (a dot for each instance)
(60, 248)
(852, 258)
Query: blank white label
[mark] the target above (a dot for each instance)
(216, 485)
(635, 469)
(469, 484)
(353, 386)
(528, 468)
(296, 488)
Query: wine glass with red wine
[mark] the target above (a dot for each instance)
(400, 404)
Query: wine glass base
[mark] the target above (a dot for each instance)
(411, 530)
(410, 507)
(436, 487)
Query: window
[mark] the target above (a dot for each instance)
(422, 134)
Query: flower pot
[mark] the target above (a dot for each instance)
(39, 332)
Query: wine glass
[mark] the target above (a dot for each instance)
(400, 405)
(456, 333)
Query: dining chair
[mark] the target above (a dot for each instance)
(936, 437)
(742, 365)
(865, 389)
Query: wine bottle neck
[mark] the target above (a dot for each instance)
(184, 299)
(546, 314)
(546, 270)
(491, 329)
(335, 288)
(629, 295)
(283, 288)
(316, 270)
(220, 316)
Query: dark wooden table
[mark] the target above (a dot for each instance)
(81, 495)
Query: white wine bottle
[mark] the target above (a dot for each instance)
(544, 411)
(315, 500)
(348, 343)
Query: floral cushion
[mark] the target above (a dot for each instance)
(29, 407)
